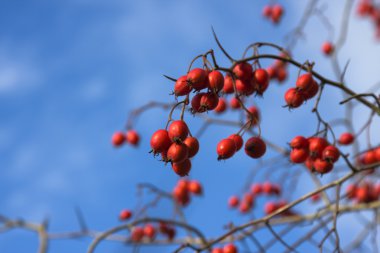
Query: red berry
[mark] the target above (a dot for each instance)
(267, 11)
(305, 81)
(377, 154)
(221, 107)
(270, 207)
(244, 207)
(267, 188)
(299, 142)
(181, 195)
(262, 80)
(299, 155)
(230, 248)
(215, 81)
(369, 157)
(209, 101)
(150, 231)
(255, 147)
(256, 188)
(182, 87)
(346, 139)
(217, 250)
(362, 194)
(178, 130)
(238, 141)
(293, 98)
(196, 103)
(245, 87)
(183, 168)
(315, 197)
(137, 234)
(225, 149)
(316, 146)
(228, 87)
(195, 187)
(322, 166)
(312, 91)
(277, 12)
(160, 141)
(351, 191)
(281, 74)
(331, 154)
(243, 71)
(234, 103)
(125, 214)
(254, 111)
(133, 137)
(197, 78)
(192, 144)
(118, 139)
(327, 48)
(233, 201)
(177, 152)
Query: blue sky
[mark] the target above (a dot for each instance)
(70, 71)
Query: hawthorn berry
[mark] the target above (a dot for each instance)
(133, 137)
(178, 130)
(197, 78)
(137, 234)
(196, 103)
(304, 81)
(215, 81)
(183, 168)
(230, 248)
(311, 91)
(322, 166)
(267, 11)
(125, 214)
(327, 48)
(228, 87)
(233, 201)
(316, 146)
(192, 144)
(238, 141)
(225, 149)
(299, 142)
(351, 191)
(330, 153)
(182, 87)
(118, 139)
(209, 101)
(299, 155)
(243, 71)
(195, 187)
(234, 103)
(150, 231)
(254, 113)
(256, 188)
(261, 80)
(177, 152)
(160, 141)
(270, 207)
(217, 250)
(277, 12)
(293, 98)
(255, 147)
(346, 139)
(221, 107)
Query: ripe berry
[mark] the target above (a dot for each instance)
(150, 231)
(228, 87)
(270, 207)
(177, 152)
(327, 48)
(255, 147)
(181, 87)
(195, 187)
(217, 250)
(255, 114)
(125, 214)
(256, 188)
(181, 195)
(137, 234)
(299, 155)
(377, 154)
(281, 74)
(178, 130)
(262, 80)
(267, 188)
(369, 157)
(197, 79)
(311, 91)
(293, 98)
(277, 12)
(322, 166)
(316, 146)
(160, 141)
(221, 107)
(243, 71)
(304, 81)
(351, 191)
(315, 197)
(196, 103)
(346, 139)
(245, 87)
(192, 144)
(248, 199)
(267, 11)
(209, 101)
(133, 137)
(230, 248)
(299, 142)
(233, 201)
(238, 141)
(234, 103)
(215, 81)
(244, 207)
(225, 149)
(331, 154)
(183, 168)
(118, 139)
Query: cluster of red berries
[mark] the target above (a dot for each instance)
(130, 137)
(247, 202)
(364, 193)
(149, 232)
(306, 88)
(175, 146)
(273, 12)
(228, 248)
(327, 48)
(278, 70)
(317, 154)
(346, 139)
(366, 8)
(369, 157)
(183, 189)
(255, 147)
